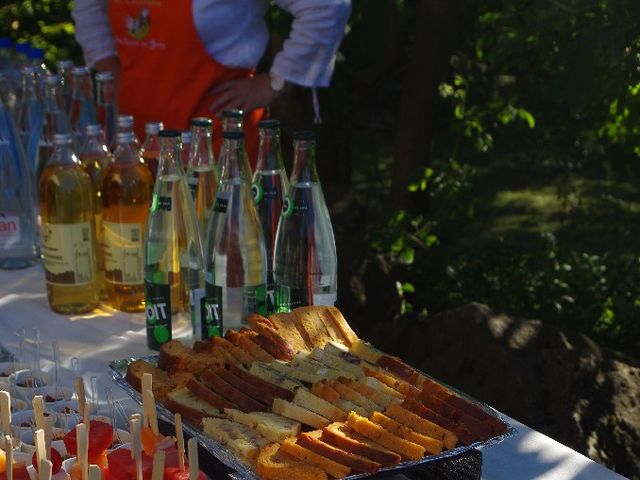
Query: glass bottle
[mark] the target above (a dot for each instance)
(236, 270)
(186, 149)
(95, 157)
(126, 189)
(30, 116)
(269, 187)
(18, 238)
(68, 231)
(56, 119)
(305, 262)
(36, 59)
(151, 146)
(64, 68)
(83, 111)
(232, 120)
(173, 273)
(202, 175)
(106, 105)
(124, 124)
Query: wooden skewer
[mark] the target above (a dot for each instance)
(45, 468)
(38, 410)
(151, 411)
(180, 439)
(147, 384)
(86, 416)
(194, 467)
(95, 473)
(82, 455)
(48, 435)
(136, 447)
(158, 465)
(5, 411)
(8, 448)
(79, 382)
(41, 449)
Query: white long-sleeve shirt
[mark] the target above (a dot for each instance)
(235, 34)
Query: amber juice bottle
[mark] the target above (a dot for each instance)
(126, 189)
(68, 231)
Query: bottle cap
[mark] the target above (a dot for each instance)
(92, 129)
(52, 79)
(22, 47)
(64, 64)
(233, 135)
(104, 76)
(185, 137)
(152, 128)
(124, 137)
(5, 42)
(79, 71)
(270, 123)
(62, 139)
(201, 122)
(304, 135)
(125, 121)
(170, 133)
(232, 113)
(37, 53)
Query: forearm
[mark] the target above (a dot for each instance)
(93, 31)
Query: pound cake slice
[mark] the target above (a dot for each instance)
(273, 427)
(335, 469)
(276, 465)
(341, 436)
(312, 441)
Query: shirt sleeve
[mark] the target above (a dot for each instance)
(93, 30)
(308, 56)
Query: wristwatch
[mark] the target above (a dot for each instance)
(278, 84)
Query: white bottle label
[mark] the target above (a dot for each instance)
(123, 253)
(68, 253)
(9, 230)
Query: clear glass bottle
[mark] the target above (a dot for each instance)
(68, 231)
(270, 185)
(106, 106)
(83, 110)
(232, 120)
(126, 188)
(30, 117)
(56, 119)
(95, 157)
(63, 69)
(18, 237)
(151, 147)
(173, 273)
(305, 261)
(36, 59)
(235, 256)
(124, 124)
(202, 175)
(186, 149)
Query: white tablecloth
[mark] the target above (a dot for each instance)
(107, 334)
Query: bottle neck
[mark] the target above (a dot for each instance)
(82, 88)
(304, 163)
(201, 153)
(233, 160)
(169, 156)
(30, 89)
(270, 153)
(54, 99)
(126, 153)
(93, 144)
(63, 155)
(106, 93)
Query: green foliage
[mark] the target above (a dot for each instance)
(45, 24)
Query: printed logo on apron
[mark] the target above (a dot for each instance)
(138, 27)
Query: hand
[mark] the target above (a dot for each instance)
(244, 93)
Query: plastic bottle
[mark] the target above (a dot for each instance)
(305, 261)
(235, 256)
(151, 147)
(18, 237)
(202, 175)
(270, 185)
(68, 231)
(173, 272)
(126, 189)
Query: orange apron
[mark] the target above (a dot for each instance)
(166, 71)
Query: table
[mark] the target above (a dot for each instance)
(107, 334)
